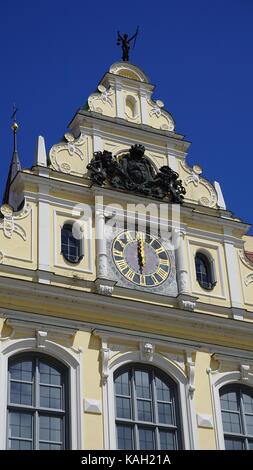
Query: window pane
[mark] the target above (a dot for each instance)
(47, 446)
(231, 422)
(49, 374)
(162, 390)
(141, 395)
(50, 397)
(233, 444)
(125, 439)
(123, 406)
(146, 438)
(142, 384)
(144, 410)
(22, 371)
(20, 445)
(50, 428)
(122, 384)
(20, 424)
(21, 393)
(250, 445)
(203, 271)
(70, 246)
(247, 402)
(165, 413)
(229, 401)
(167, 440)
(249, 423)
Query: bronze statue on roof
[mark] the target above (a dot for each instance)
(124, 41)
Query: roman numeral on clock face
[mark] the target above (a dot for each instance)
(129, 237)
(122, 264)
(164, 262)
(117, 253)
(159, 250)
(163, 274)
(130, 274)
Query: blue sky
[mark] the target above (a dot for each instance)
(198, 53)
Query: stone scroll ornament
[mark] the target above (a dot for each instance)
(134, 172)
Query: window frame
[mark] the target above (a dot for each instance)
(68, 226)
(36, 410)
(209, 265)
(243, 437)
(155, 425)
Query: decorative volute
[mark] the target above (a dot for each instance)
(125, 92)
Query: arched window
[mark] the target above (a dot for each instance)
(204, 272)
(37, 403)
(147, 412)
(71, 247)
(237, 416)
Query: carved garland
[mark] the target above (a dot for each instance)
(249, 278)
(103, 95)
(197, 180)
(72, 146)
(8, 223)
(156, 110)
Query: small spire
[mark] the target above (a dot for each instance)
(15, 165)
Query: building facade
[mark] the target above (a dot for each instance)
(126, 292)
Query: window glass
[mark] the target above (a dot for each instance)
(71, 247)
(147, 415)
(237, 416)
(37, 384)
(203, 271)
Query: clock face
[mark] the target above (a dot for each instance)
(141, 258)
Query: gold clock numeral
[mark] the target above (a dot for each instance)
(129, 237)
(159, 250)
(122, 264)
(130, 274)
(121, 242)
(117, 253)
(142, 280)
(163, 274)
(164, 262)
(154, 279)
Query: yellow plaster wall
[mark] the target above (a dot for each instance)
(91, 388)
(202, 399)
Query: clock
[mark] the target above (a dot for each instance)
(141, 258)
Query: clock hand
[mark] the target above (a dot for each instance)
(141, 251)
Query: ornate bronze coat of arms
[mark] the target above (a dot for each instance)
(134, 172)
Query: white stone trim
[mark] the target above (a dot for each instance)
(119, 99)
(187, 409)
(221, 202)
(44, 231)
(233, 272)
(41, 155)
(204, 421)
(92, 406)
(87, 235)
(204, 248)
(143, 105)
(15, 346)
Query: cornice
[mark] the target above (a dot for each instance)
(112, 333)
(125, 126)
(97, 306)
